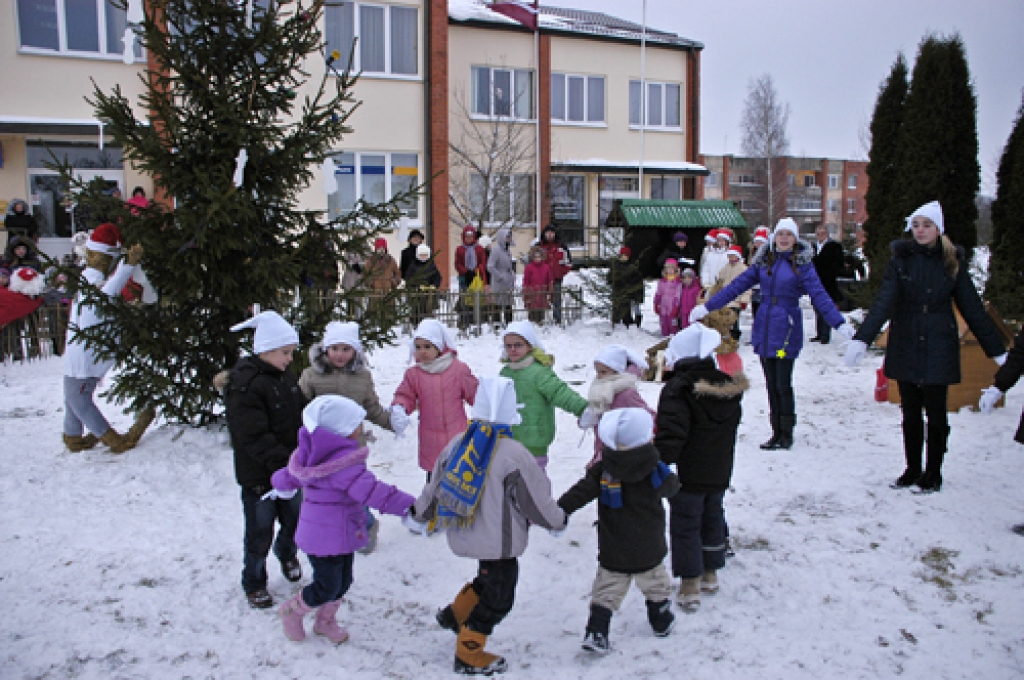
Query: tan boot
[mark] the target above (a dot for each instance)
(709, 582)
(688, 597)
(115, 441)
(138, 428)
(470, 657)
(74, 442)
(454, 615)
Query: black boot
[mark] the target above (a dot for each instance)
(931, 480)
(773, 443)
(786, 425)
(913, 443)
(659, 614)
(596, 639)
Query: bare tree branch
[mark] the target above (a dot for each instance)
(763, 128)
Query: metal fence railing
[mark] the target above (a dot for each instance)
(36, 336)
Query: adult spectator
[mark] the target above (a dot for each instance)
(409, 253)
(20, 222)
(828, 262)
(470, 258)
(502, 268)
(560, 263)
(21, 252)
(676, 251)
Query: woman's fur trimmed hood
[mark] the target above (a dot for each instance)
(803, 254)
(320, 364)
(734, 387)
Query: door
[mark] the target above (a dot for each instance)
(54, 211)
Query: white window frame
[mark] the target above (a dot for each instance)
(809, 181)
(851, 205)
(711, 180)
(102, 6)
(851, 181)
(833, 181)
(833, 205)
(678, 181)
(586, 122)
(493, 223)
(388, 188)
(514, 76)
(744, 179)
(645, 92)
(342, 63)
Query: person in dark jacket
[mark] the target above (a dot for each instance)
(785, 273)
(20, 222)
(409, 253)
(422, 280)
(925, 276)
(264, 406)
(629, 483)
(698, 415)
(828, 262)
(1006, 377)
(21, 252)
(627, 284)
(677, 251)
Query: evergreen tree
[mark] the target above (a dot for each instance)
(937, 152)
(883, 223)
(1006, 267)
(224, 86)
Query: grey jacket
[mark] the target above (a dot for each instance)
(354, 382)
(500, 264)
(517, 494)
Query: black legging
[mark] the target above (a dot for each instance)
(931, 398)
(778, 377)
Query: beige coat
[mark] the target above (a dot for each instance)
(382, 272)
(725, 276)
(356, 383)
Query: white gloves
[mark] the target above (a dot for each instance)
(847, 331)
(989, 397)
(855, 352)
(589, 418)
(274, 495)
(698, 313)
(414, 525)
(1001, 359)
(399, 420)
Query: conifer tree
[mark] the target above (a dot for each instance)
(232, 143)
(1005, 287)
(883, 223)
(937, 152)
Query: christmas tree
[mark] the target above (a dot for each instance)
(230, 144)
(1006, 268)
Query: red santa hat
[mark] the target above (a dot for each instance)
(725, 233)
(379, 243)
(711, 236)
(27, 281)
(106, 239)
(735, 251)
(761, 235)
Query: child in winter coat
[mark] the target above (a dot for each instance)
(538, 389)
(263, 404)
(698, 415)
(668, 298)
(538, 284)
(628, 482)
(618, 370)
(437, 385)
(689, 295)
(330, 464)
(488, 521)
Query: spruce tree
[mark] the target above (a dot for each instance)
(226, 81)
(937, 152)
(883, 223)
(1005, 287)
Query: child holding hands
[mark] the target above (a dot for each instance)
(618, 370)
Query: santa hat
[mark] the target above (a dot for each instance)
(625, 428)
(496, 402)
(725, 233)
(379, 243)
(434, 332)
(617, 358)
(423, 252)
(526, 331)
(761, 235)
(932, 211)
(735, 250)
(338, 333)
(711, 236)
(272, 331)
(333, 413)
(27, 281)
(696, 341)
(626, 250)
(786, 224)
(106, 239)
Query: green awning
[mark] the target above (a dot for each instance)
(648, 212)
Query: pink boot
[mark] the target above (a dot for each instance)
(291, 613)
(327, 625)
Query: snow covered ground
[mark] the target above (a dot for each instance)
(128, 566)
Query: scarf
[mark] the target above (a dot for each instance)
(438, 365)
(462, 483)
(471, 261)
(611, 488)
(536, 354)
(603, 390)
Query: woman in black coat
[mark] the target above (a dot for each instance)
(925, 276)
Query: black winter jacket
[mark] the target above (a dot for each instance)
(422, 274)
(698, 415)
(626, 281)
(630, 539)
(916, 297)
(1010, 372)
(264, 411)
(829, 263)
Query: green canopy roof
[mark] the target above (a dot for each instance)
(648, 212)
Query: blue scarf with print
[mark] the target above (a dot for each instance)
(462, 482)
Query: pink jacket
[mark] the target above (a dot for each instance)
(440, 397)
(668, 297)
(688, 301)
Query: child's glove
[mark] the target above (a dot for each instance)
(698, 313)
(557, 533)
(989, 397)
(399, 420)
(589, 418)
(855, 352)
(1001, 359)
(846, 330)
(274, 495)
(410, 522)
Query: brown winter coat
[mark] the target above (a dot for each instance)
(354, 381)
(382, 272)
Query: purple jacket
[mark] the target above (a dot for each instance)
(668, 296)
(332, 471)
(779, 324)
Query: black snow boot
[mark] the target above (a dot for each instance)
(773, 443)
(913, 444)
(931, 480)
(786, 425)
(596, 639)
(661, 618)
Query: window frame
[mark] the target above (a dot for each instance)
(514, 75)
(833, 181)
(586, 78)
(389, 174)
(512, 180)
(60, 11)
(851, 205)
(646, 88)
(388, 72)
(833, 205)
(851, 181)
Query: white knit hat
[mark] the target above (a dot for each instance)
(526, 331)
(338, 333)
(434, 332)
(626, 428)
(786, 224)
(423, 251)
(496, 401)
(617, 358)
(334, 413)
(932, 211)
(694, 341)
(272, 331)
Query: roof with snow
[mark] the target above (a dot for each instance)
(573, 21)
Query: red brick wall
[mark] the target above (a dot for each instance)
(437, 113)
(544, 116)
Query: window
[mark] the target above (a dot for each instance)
(667, 188)
(851, 205)
(851, 181)
(510, 198)
(663, 104)
(833, 181)
(802, 204)
(387, 37)
(568, 201)
(73, 27)
(711, 180)
(808, 180)
(743, 179)
(502, 92)
(747, 205)
(833, 205)
(790, 180)
(374, 177)
(577, 99)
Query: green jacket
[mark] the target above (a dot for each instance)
(540, 391)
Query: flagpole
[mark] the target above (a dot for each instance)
(643, 92)
(536, 103)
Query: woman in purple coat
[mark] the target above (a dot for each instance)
(785, 273)
(330, 465)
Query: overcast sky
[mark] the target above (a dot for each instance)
(829, 57)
